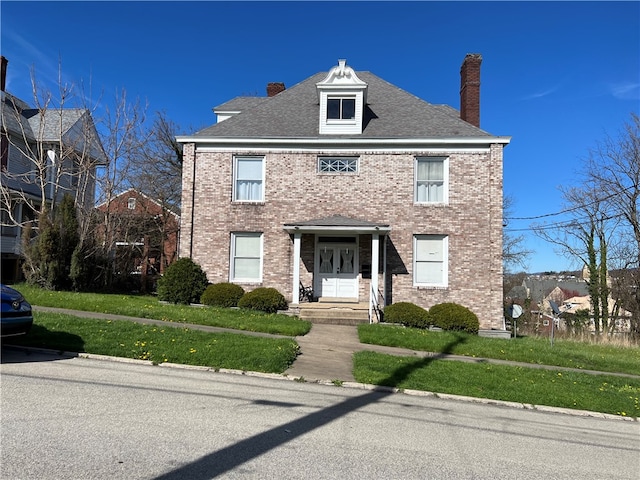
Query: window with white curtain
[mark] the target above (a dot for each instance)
(431, 179)
(246, 257)
(248, 179)
(430, 260)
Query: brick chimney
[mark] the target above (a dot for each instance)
(470, 89)
(274, 88)
(3, 72)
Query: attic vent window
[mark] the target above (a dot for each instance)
(341, 108)
(338, 165)
(131, 203)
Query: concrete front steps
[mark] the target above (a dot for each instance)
(335, 311)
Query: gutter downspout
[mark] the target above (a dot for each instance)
(193, 203)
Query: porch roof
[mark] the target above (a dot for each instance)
(336, 223)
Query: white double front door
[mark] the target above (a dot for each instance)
(337, 269)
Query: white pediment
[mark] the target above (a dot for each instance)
(341, 76)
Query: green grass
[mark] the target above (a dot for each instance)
(146, 306)
(177, 344)
(582, 391)
(564, 353)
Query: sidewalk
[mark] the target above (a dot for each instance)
(326, 351)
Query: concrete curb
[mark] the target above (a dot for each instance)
(350, 385)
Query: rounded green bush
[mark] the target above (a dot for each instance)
(264, 299)
(452, 316)
(407, 314)
(183, 282)
(222, 295)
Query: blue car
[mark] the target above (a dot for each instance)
(16, 313)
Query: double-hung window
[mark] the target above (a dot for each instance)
(246, 257)
(431, 180)
(341, 108)
(430, 260)
(248, 181)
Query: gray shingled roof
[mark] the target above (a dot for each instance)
(239, 104)
(71, 125)
(336, 221)
(391, 113)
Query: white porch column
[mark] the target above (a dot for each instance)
(375, 254)
(384, 268)
(295, 292)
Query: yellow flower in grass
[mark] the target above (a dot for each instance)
(192, 350)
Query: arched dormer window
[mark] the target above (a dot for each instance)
(342, 98)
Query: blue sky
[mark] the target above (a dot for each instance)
(556, 76)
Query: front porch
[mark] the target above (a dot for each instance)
(338, 266)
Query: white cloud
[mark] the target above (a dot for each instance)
(626, 90)
(542, 93)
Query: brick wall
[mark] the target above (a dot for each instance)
(381, 192)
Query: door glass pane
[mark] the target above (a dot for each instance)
(346, 260)
(326, 260)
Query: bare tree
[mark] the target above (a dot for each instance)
(158, 174)
(514, 254)
(614, 168)
(585, 237)
(158, 171)
(604, 230)
(124, 138)
(49, 151)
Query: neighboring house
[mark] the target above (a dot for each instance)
(142, 230)
(538, 287)
(45, 154)
(354, 187)
(569, 294)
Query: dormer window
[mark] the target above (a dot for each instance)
(342, 97)
(341, 108)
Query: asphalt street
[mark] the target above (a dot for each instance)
(79, 418)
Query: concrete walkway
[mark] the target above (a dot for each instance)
(326, 351)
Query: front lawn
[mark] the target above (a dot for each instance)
(582, 391)
(563, 353)
(173, 344)
(147, 306)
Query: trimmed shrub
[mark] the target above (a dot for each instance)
(182, 282)
(452, 316)
(264, 299)
(222, 295)
(407, 314)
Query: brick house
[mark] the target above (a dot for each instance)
(353, 187)
(144, 231)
